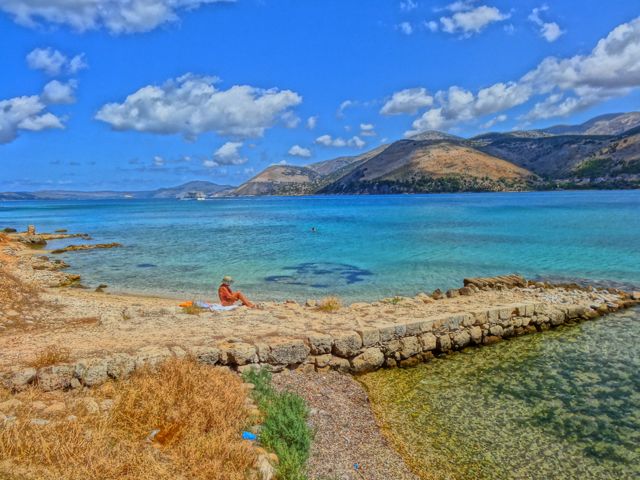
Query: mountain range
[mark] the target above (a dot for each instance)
(603, 152)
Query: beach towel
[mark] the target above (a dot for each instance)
(214, 307)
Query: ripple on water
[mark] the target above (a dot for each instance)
(563, 404)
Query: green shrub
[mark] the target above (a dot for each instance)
(285, 430)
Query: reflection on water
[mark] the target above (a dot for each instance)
(563, 404)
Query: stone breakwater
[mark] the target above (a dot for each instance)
(358, 351)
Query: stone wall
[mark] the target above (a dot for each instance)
(358, 351)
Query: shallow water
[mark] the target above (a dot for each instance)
(366, 247)
(564, 404)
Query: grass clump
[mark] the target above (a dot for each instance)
(182, 420)
(51, 355)
(285, 429)
(192, 309)
(330, 304)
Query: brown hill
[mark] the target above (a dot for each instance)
(420, 166)
(281, 180)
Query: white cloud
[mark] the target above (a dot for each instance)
(343, 106)
(551, 31)
(405, 27)
(329, 141)
(459, 6)
(298, 151)
(116, 16)
(290, 119)
(24, 113)
(53, 62)
(497, 119)
(431, 25)
(367, 130)
(56, 92)
(407, 101)
(468, 22)
(312, 122)
(158, 161)
(229, 154)
(408, 5)
(191, 105)
(566, 85)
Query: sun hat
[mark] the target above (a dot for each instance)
(227, 280)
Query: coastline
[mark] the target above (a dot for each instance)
(110, 335)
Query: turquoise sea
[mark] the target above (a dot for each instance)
(365, 247)
(564, 404)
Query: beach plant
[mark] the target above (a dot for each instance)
(51, 355)
(285, 430)
(330, 304)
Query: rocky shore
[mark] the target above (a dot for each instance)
(109, 336)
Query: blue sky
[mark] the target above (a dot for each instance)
(139, 94)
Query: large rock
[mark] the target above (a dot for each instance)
(410, 346)
(461, 339)
(92, 371)
(320, 343)
(428, 341)
(369, 360)
(55, 377)
(240, 353)
(347, 345)
(369, 336)
(20, 379)
(475, 334)
(288, 353)
(340, 364)
(205, 354)
(120, 365)
(444, 343)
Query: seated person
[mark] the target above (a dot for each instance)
(228, 297)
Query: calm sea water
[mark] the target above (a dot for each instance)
(564, 404)
(365, 247)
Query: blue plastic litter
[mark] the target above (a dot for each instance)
(249, 436)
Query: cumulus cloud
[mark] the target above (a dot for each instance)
(116, 16)
(229, 154)
(551, 31)
(408, 5)
(405, 27)
(25, 113)
(468, 20)
(407, 101)
(312, 122)
(564, 85)
(191, 105)
(329, 141)
(367, 130)
(53, 62)
(298, 151)
(56, 92)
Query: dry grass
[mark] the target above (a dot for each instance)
(330, 304)
(50, 355)
(197, 411)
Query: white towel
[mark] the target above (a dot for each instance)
(214, 307)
